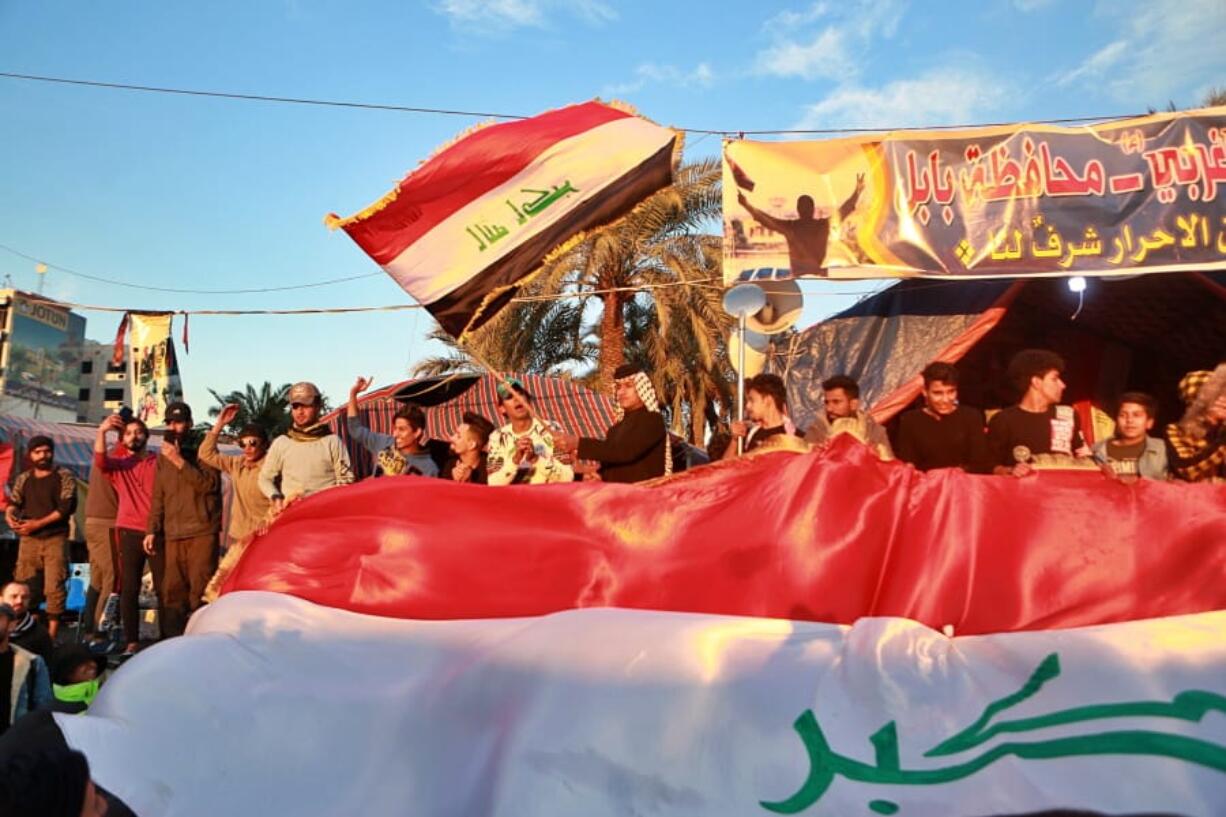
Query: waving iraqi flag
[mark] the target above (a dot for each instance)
(461, 231)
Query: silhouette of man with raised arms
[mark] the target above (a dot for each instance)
(807, 236)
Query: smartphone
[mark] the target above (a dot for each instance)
(125, 414)
(171, 437)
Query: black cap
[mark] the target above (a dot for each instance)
(179, 411)
(69, 657)
(40, 440)
(627, 370)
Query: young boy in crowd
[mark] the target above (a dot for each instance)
(1132, 453)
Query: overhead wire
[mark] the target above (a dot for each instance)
(334, 103)
(184, 291)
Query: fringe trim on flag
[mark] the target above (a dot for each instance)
(571, 243)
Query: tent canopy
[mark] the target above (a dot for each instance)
(1144, 332)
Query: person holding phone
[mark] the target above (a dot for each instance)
(131, 471)
(185, 514)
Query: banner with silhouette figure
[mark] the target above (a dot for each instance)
(1145, 194)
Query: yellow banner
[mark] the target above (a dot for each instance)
(1145, 194)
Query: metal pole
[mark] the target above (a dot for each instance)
(740, 382)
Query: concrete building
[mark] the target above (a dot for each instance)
(40, 357)
(104, 387)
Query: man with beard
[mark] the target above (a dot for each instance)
(1038, 424)
(132, 474)
(40, 504)
(307, 458)
(184, 518)
(468, 460)
(636, 447)
(843, 415)
(943, 434)
(521, 452)
(401, 452)
(27, 631)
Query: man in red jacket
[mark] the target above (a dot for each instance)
(132, 475)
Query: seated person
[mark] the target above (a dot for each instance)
(943, 434)
(521, 452)
(1132, 453)
(468, 458)
(401, 452)
(1198, 440)
(766, 405)
(842, 415)
(1037, 424)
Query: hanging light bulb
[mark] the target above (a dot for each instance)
(1077, 283)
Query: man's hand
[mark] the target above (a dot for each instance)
(739, 429)
(1022, 469)
(741, 200)
(590, 471)
(112, 423)
(564, 443)
(170, 450)
(524, 449)
(1108, 471)
(226, 416)
(461, 472)
(147, 544)
(277, 504)
(360, 385)
(859, 182)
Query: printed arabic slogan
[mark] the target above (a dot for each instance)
(1144, 194)
(464, 230)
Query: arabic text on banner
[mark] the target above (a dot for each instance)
(1144, 194)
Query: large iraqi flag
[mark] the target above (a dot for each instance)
(462, 230)
(818, 634)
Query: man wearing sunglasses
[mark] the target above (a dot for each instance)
(306, 459)
(521, 452)
(250, 507)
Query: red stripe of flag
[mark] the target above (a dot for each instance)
(484, 160)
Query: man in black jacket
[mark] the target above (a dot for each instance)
(636, 447)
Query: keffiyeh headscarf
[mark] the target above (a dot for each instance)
(1189, 436)
(647, 393)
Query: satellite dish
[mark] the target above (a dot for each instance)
(755, 352)
(743, 300)
(784, 302)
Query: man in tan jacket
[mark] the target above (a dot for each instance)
(249, 509)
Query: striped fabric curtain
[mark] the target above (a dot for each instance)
(570, 405)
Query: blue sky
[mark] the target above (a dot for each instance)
(191, 192)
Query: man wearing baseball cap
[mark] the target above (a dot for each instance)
(41, 502)
(521, 452)
(307, 458)
(184, 519)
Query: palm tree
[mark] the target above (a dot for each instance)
(534, 334)
(653, 246)
(264, 407)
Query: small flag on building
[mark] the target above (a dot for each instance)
(462, 232)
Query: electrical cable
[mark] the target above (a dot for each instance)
(333, 103)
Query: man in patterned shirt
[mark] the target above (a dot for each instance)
(40, 505)
(521, 452)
